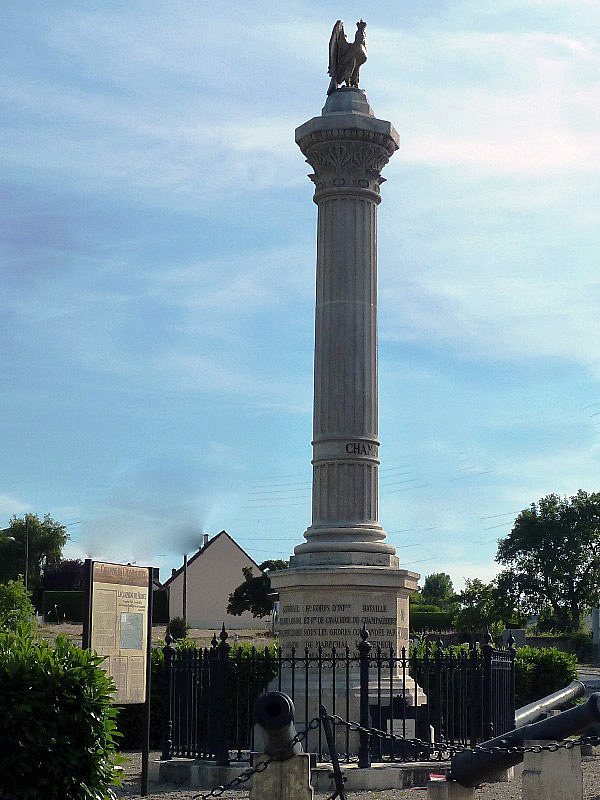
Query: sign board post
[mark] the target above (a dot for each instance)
(118, 625)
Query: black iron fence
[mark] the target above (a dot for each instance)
(428, 697)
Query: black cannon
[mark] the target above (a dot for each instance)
(470, 768)
(274, 712)
(532, 712)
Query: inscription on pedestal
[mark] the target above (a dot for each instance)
(335, 625)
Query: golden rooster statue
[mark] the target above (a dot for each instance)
(345, 58)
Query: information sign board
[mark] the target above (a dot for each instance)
(119, 600)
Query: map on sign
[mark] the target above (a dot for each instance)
(119, 626)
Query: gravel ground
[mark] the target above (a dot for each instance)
(495, 791)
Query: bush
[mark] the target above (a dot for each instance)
(539, 672)
(57, 727)
(178, 628)
(15, 606)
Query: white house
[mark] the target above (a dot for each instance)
(212, 575)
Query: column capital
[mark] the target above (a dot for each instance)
(347, 151)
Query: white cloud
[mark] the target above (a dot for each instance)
(10, 505)
(514, 102)
(504, 318)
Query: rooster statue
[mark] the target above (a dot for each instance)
(345, 58)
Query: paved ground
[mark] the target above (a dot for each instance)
(496, 791)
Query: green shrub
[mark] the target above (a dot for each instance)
(178, 628)
(541, 671)
(15, 606)
(57, 727)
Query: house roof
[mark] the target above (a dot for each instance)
(203, 550)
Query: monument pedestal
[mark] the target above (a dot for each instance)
(323, 610)
(328, 607)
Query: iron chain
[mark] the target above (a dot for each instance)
(566, 744)
(245, 776)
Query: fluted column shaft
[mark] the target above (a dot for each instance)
(345, 445)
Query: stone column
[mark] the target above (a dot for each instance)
(347, 147)
(345, 575)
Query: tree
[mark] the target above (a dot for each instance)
(67, 575)
(16, 609)
(253, 594)
(32, 542)
(438, 590)
(511, 606)
(553, 553)
(479, 608)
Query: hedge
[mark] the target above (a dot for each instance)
(580, 643)
(429, 620)
(70, 604)
(539, 672)
(57, 727)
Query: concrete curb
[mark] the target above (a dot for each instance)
(196, 774)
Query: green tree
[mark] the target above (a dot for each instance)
(16, 609)
(67, 575)
(479, 608)
(553, 554)
(30, 543)
(438, 590)
(253, 594)
(511, 606)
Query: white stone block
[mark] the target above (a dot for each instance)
(448, 790)
(283, 780)
(552, 776)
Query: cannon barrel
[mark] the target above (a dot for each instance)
(536, 710)
(274, 712)
(469, 768)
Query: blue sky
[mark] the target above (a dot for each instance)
(157, 255)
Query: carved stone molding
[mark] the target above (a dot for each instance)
(347, 159)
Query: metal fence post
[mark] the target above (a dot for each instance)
(511, 681)
(221, 700)
(364, 649)
(474, 694)
(487, 722)
(168, 651)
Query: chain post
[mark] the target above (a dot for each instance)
(169, 652)
(220, 699)
(364, 649)
(335, 763)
